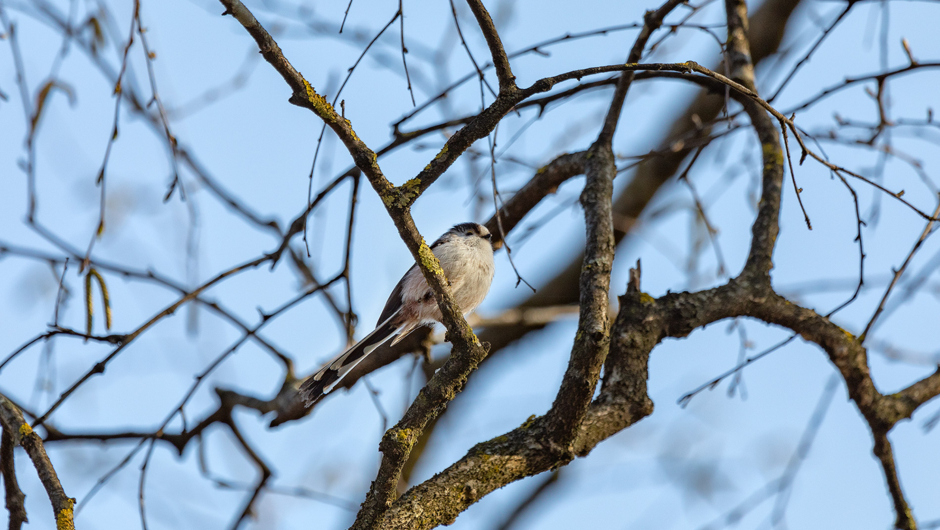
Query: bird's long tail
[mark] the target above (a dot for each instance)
(323, 382)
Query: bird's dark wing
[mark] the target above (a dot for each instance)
(394, 300)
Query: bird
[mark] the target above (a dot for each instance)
(466, 256)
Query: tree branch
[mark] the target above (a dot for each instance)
(15, 427)
(507, 81)
(652, 20)
(13, 494)
(592, 339)
(653, 173)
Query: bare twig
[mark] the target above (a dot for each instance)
(150, 56)
(100, 180)
(404, 51)
(928, 230)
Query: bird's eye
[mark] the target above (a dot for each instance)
(468, 233)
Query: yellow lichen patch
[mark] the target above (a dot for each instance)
(64, 520)
(647, 299)
(320, 105)
(442, 153)
(403, 435)
(355, 137)
(429, 260)
(25, 430)
(408, 192)
(848, 333)
(311, 93)
(528, 423)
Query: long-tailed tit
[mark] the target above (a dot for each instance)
(466, 255)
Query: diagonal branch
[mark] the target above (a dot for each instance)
(507, 81)
(544, 182)
(928, 230)
(652, 20)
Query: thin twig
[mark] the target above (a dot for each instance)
(709, 229)
(796, 189)
(345, 14)
(149, 57)
(496, 208)
(928, 230)
(404, 51)
(100, 180)
(813, 48)
(710, 385)
(99, 367)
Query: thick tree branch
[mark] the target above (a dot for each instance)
(767, 225)
(304, 95)
(593, 337)
(20, 433)
(904, 519)
(507, 81)
(641, 324)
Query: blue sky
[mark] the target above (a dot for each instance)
(679, 468)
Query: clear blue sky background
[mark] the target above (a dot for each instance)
(679, 468)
